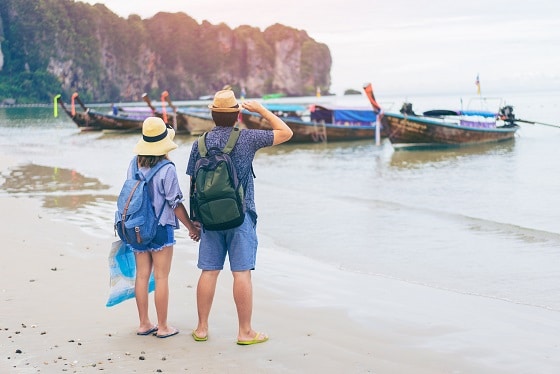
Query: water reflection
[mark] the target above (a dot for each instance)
(73, 202)
(408, 159)
(323, 148)
(43, 179)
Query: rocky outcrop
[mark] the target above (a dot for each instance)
(107, 58)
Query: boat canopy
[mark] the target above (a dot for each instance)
(447, 112)
(441, 112)
(285, 107)
(343, 115)
(480, 113)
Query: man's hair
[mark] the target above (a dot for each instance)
(225, 119)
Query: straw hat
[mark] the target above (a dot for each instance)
(225, 101)
(157, 139)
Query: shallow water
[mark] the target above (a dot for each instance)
(479, 220)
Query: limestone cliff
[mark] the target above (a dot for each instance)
(62, 46)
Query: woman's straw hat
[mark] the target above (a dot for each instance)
(225, 101)
(157, 139)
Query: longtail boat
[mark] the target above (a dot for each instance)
(121, 118)
(419, 131)
(80, 118)
(173, 119)
(199, 119)
(325, 124)
(193, 120)
(444, 128)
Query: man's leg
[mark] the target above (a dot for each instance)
(243, 296)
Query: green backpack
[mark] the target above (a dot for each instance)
(217, 196)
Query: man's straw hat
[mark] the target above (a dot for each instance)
(225, 101)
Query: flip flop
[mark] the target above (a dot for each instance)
(174, 332)
(198, 338)
(256, 340)
(148, 332)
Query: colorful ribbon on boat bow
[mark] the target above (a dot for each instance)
(164, 95)
(73, 104)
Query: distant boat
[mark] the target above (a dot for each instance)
(448, 128)
(325, 123)
(276, 95)
(193, 120)
(444, 128)
(172, 118)
(121, 118)
(199, 119)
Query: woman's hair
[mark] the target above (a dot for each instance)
(149, 161)
(225, 119)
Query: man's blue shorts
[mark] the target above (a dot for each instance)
(239, 243)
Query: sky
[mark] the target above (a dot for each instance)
(403, 46)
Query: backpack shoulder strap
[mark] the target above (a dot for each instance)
(202, 145)
(155, 169)
(135, 171)
(233, 136)
(151, 174)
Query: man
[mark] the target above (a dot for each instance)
(239, 243)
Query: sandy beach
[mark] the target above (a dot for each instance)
(54, 284)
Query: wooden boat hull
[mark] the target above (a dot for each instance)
(415, 131)
(172, 117)
(104, 121)
(180, 123)
(197, 122)
(312, 132)
(83, 121)
(177, 121)
(91, 120)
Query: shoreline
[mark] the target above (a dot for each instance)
(54, 285)
(53, 307)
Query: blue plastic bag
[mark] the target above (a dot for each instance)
(122, 272)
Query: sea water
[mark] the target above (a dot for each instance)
(480, 220)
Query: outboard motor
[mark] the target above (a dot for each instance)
(506, 115)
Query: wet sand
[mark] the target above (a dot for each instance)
(54, 285)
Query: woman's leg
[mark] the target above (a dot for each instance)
(143, 271)
(162, 267)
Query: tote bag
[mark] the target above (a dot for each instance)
(122, 274)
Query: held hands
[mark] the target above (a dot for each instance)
(194, 231)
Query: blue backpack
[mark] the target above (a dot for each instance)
(135, 219)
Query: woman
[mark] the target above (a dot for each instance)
(152, 148)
